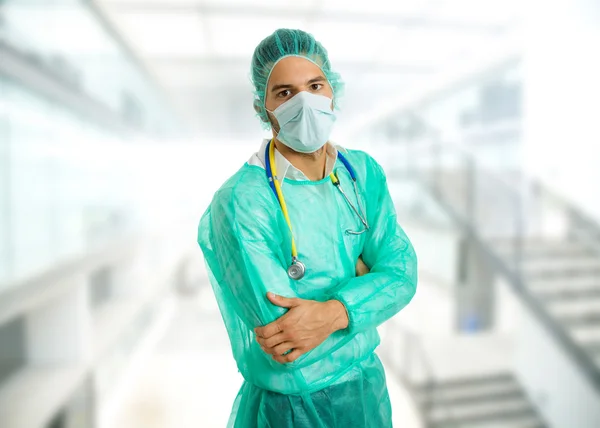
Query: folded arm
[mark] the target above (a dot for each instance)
(391, 283)
(250, 263)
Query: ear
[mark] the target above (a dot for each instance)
(258, 108)
(256, 105)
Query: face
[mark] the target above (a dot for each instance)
(290, 76)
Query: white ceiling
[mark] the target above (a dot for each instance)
(200, 51)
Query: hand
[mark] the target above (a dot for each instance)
(304, 327)
(361, 267)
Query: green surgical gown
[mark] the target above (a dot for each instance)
(247, 247)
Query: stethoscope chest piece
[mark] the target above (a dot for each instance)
(296, 270)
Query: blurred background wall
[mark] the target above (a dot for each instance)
(119, 119)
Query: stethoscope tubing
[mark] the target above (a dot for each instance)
(298, 273)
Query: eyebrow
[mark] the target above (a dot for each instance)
(288, 86)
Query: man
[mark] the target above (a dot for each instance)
(289, 240)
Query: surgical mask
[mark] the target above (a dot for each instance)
(305, 122)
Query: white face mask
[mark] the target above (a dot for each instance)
(305, 122)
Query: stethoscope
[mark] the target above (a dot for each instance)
(297, 269)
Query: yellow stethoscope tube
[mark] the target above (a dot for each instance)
(297, 269)
(281, 198)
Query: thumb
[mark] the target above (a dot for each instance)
(284, 302)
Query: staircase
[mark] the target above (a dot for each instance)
(548, 252)
(493, 401)
(547, 249)
(565, 277)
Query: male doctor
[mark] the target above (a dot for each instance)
(305, 255)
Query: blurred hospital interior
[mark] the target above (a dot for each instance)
(119, 119)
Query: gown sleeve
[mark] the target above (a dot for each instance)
(240, 243)
(241, 239)
(391, 283)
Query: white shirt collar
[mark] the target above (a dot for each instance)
(285, 169)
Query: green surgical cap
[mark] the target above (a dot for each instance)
(281, 44)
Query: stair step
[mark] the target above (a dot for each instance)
(563, 274)
(574, 308)
(466, 395)
(466, 399)
(506, 411)
(491, 401)
(526, 422)
(583, 319)
(584, 262)
(544, 248)
(562, 282)
(575, 267)
(561, 293)
(585, 333)
(495, 380)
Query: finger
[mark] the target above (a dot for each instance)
(294, 355)
(275, 340)
(269, 330)
(269, 351)
(271, 341)
(284, 302)
(282, 348)
(289, 358)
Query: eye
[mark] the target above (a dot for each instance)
(316, 86)
(283, 94)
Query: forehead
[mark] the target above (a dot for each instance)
(293, 70)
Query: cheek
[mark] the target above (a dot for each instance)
(269, 104)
